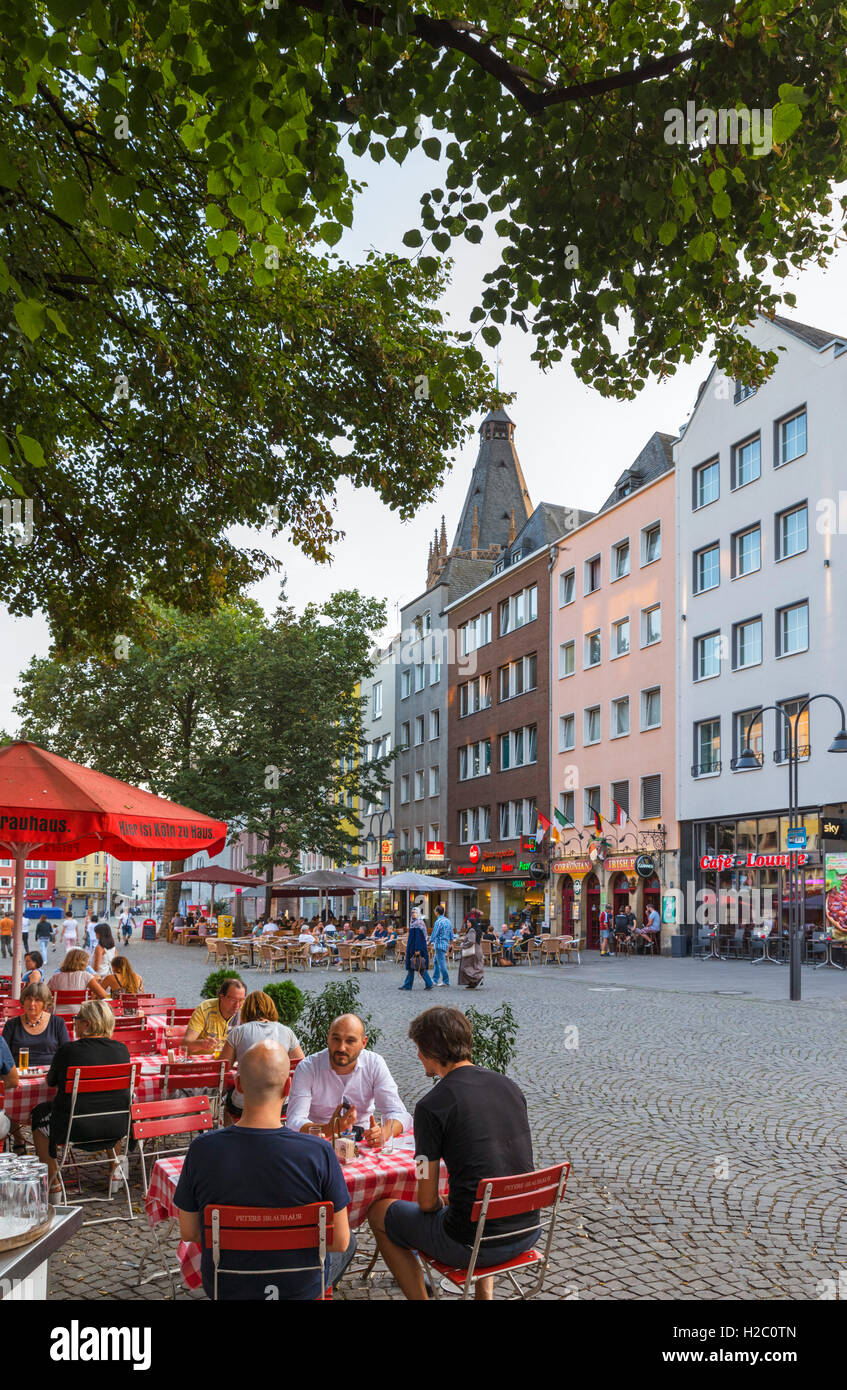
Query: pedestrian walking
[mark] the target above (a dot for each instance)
(605, 930)
(6, 925)
(442, 935)
(417, 952)
(126, 922)
(471, 967)
(70, 935)
(43, 936)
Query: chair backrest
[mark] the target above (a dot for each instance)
(174, 1036)
(10, 1008)
(345, 949)
(179, 1016)
(119, 1076)
(193, 1076)
(267, 1229)
(138, 1042)
(154, 1005)
(519, 1193)
(739, 935)
(154, 1118)
(129, 1023)
(64, 998)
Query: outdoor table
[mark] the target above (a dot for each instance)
(370, 1178)
(149, 1075)
(23, 1272)
(829, 963)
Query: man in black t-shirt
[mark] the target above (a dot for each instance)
(476, 1121)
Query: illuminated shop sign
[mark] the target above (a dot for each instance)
(752, 861)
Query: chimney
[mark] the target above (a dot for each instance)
(513, 530)
(475, 533)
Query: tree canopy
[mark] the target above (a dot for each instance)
(174, 174)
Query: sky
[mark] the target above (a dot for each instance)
(572, 443)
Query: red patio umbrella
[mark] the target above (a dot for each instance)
(61, 810)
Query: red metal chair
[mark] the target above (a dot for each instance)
(139, 1044)
(510, 1196)
(179, 1016)
(154, 1005)
(10, 1008)
(105, 1081)
(270, 1229)
(205, 1074)
(174, 1036)
(129, 1024)
(68, 999)
(156, 1119)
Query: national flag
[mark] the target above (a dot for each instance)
(621, 816)
(563, 820)
(541, 828)
(598, 820)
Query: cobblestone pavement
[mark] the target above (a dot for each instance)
(706, 1128)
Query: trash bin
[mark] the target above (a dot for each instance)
(680, 945)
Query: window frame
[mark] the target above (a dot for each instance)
(697, 471)
(589, 710)
(645, 615)
(735, 538)
(647, 778)
(563, 647)
(778, 519)
(613, 564)
(701, 550)
(787, 608)
(736, 633)
(646, 532)
(613, 707)
(734, 456)
(778, 424)
(644, 727)
(614, 654)
(704, 637)
(587, 572)
(586, 648)
(567, 574)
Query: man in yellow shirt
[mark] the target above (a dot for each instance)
(6, 925)
(211, 1020)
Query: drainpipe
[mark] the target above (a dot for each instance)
(548, 890)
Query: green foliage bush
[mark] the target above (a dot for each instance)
(341, 997)
(212, 987)
(493, 1037)
(289, 1000)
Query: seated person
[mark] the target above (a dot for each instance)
(521, 942)
(346, 1073)
(11, 1078)
(33, 961)
(490, 936)
(76, 973)
(37, 1028)
(316, 947)
(453, 1122)
(507, 937)
(93, 1130)
(211, 1020)
(259, 1023)
(380, 931)
(622, 932)
(122, 979)
(258, 1162)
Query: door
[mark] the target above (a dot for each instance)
(591, 889)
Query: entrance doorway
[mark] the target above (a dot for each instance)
(620, 893)
(568, 924)
(652, 896)
(591, 889)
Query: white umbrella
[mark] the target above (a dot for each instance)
(411, 882)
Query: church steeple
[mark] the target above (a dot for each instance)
(497, 494)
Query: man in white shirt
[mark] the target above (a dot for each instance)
(346, 1075)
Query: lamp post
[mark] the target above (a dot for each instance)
(748, 761)
(381, 834)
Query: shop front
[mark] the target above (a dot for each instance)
(503, 885)
(569, 910)
(584, 885)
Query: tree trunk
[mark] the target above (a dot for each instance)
(172, 893)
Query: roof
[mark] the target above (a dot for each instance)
(547, 524)
(655, 459)
(497, 488)
(816, 337)
(460, 575)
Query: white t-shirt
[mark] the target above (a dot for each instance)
(69, 931)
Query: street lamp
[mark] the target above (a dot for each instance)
(380, 835)
(746, 763)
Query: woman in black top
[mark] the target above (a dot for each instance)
(95, 1125)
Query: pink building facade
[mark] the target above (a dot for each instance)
(613, 704)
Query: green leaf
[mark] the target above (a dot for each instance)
(491, 334)
(9, 175)
(787, 116)
(721, 205)
(56, 319)
(31, 450)
(717, 179)
(214, 216)
(441, 240)
(331, 232)
(667, 232)
(473, 234)
(30, 314)
(702, 247)
(69, 200)
(431, 147)
(413, 238)
(228, 242)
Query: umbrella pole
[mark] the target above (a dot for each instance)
(17, 939)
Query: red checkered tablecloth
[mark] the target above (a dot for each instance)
(369, 1178)
(158, 1023)
(21, 1102)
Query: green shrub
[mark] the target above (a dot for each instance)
(212, 987)
(493, 1037)
(289, 1000)
(341, 997)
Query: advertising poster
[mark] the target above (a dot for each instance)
(836, 894)
(225, 926)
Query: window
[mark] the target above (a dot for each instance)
(566, 659)
(418, 841)
(746, 551)
(377, 700)
(651, 625)
(81, 879)
(404, 788)
(518, 677)
(792, 629)
(475, 825)
(434, 783)
(743, 393)
(566, 733)
(707, 483)
(746, 644)
(566, 806)
(740, 738)
(405, 683)
(620, 717)
(791, 437)
(592, 649)
(517, 818)
(474, 695)
(592, 575)
(519, 609)
(651, 543)
(591, 725)
(519, 747)
(707, 568)
(475, 760)
(651, 708)
(435, 673)
(419, 730)
(620, 638)
(792, 532)
(651, 796)
(707, 656)
(707, 748)
(592, 804)
(432, 832)
(799, 729)
(566, 588)
(404, 840)
(746, 462)
(620, 794)
(420, 676)
(475, 634)
(406, 734)
(620, 560)
(434, 723)
(426, 625)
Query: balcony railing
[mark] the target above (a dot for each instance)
(704, 769)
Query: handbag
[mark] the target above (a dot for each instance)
(416, 963)
(469, 947)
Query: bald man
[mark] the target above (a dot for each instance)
(259, 1163)
(346, 1082)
